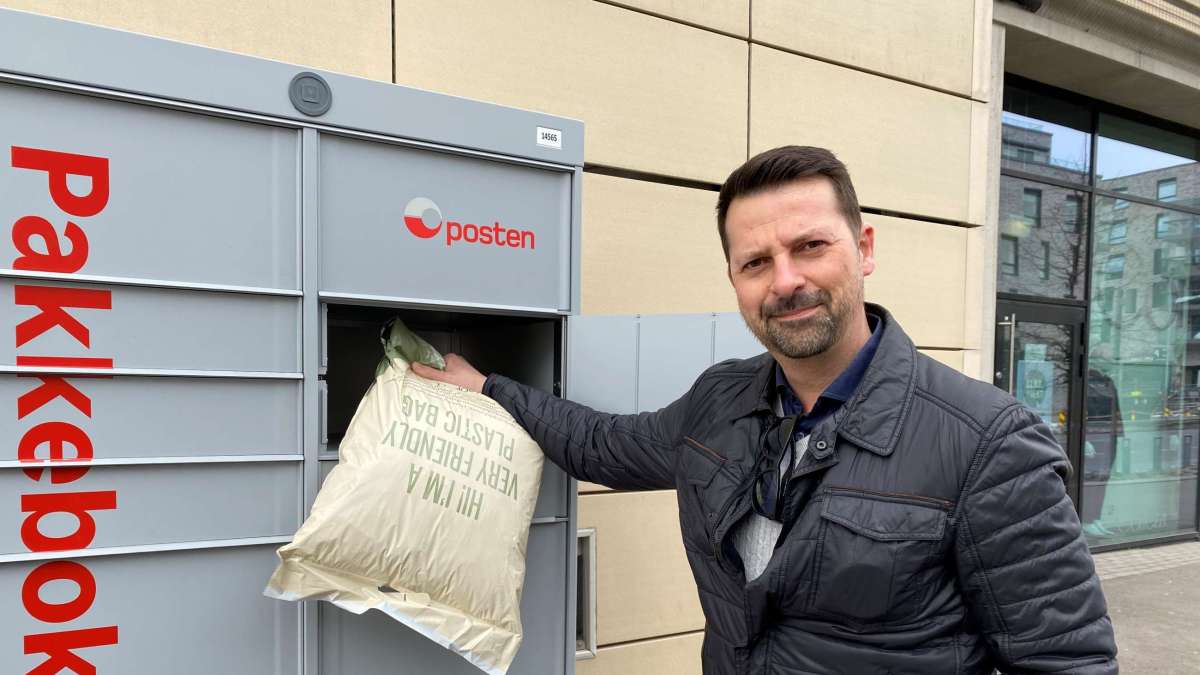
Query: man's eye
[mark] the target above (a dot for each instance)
(757, 262)
(813, 245)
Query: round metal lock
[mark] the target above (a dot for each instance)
(821, 445)
(310, 94)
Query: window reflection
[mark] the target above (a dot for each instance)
(1041, 236)
(1143, 384)
(1141, 442)
(1045, 136)
(1147, 162)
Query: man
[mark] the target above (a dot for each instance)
(847, 504)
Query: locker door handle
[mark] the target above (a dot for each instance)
(585, 607)
(323, 412)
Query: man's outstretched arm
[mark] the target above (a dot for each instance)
(625, 452)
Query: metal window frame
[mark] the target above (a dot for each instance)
(1158, 186)
(1036, 193)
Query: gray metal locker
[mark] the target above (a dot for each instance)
(201, 261)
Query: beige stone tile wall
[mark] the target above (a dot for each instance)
(656, 95)
(644, 586)
(919, 272)
(928, 42)
(907, 148)
(347, 36)
(729, 16)
(650, 248)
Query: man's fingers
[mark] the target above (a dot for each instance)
(427, 372)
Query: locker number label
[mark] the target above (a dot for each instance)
(549, 138)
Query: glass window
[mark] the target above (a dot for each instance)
(1167, 189)
(1130, 305)
(1121, 203)
(1143, 402)
(1146, 161)
(1118, 232)
(1160, 295)
(1045, 136)
(1008, 255)
(1115, 266)
(1107, 298)
(1042, 221)
(1072, 213)
(1162, 225)
(1032, 203)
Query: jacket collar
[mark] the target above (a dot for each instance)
(872, 418)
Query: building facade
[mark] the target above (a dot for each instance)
(1031, 170)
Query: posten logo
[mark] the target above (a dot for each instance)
(424, 219)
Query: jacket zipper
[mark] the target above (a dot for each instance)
(717, 533)
(920, 498)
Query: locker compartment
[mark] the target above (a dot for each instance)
(395, 218)
(524, 348)
(157, 328)
(137, 417)
(156, 503)
(375, 644)
(197, 612)
(193, 198)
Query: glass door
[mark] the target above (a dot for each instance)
(1039, 360)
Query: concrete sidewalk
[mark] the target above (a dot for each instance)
(1154, 600)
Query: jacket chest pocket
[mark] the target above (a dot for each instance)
(705, 487)
(876, 554)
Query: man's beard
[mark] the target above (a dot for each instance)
(807, 337)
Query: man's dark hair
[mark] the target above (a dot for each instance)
(783, 165)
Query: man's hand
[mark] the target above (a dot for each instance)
(457, 372)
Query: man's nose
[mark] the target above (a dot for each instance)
(788, 277)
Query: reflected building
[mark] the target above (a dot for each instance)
(1041, 225)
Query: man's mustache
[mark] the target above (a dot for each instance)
(798, 300)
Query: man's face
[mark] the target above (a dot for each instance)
(796, 266)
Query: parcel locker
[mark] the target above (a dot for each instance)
(204, 248)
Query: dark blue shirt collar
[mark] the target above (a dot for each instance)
(838, 392)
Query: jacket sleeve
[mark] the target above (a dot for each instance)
(1022, 560)
(624, 452)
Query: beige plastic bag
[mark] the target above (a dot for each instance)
(427, 515)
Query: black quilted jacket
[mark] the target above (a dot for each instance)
(928, 529)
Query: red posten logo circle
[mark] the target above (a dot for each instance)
(423, 218)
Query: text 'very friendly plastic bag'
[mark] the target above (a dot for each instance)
(427, 514)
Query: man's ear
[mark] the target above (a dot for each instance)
(866, 248)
